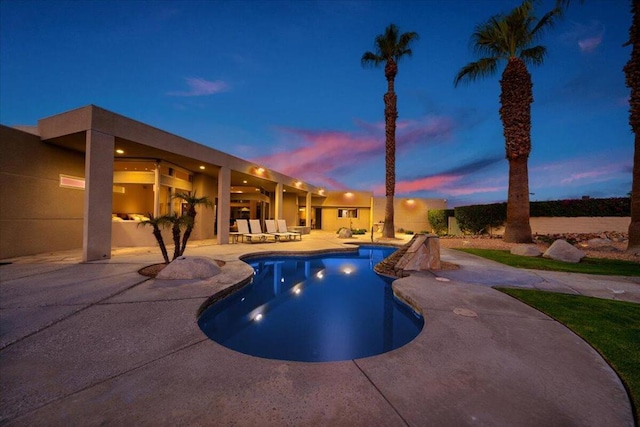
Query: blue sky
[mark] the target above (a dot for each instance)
(280, 83)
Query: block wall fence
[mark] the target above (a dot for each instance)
(561, 225)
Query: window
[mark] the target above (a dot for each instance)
(347, 213)
(68, 181)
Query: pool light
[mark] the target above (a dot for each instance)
(258, 317)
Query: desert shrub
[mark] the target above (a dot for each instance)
(614, 206)
(439, 220)
(358, 231)
(477, 219)
(409, 232)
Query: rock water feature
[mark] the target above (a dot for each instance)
(421, 253)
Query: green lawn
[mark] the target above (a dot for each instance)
(611, 327)
(587, 265)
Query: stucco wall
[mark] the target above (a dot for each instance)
(290, 209)
(204, 185)
(33, 207)
(409, 214)
(336, 200)
(561, 225)
(331, 222)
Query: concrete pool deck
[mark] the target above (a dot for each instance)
(97, 343)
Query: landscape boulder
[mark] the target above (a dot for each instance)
(345, 233)
(561, 250)
(192, 267)
(526, 250)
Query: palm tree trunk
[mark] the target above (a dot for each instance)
(518, 229)
(390, 117)
(158, 235)
(188, 230)
(175, 230)
(515, 112)
(632, 73)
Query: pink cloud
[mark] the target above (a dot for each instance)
(445, 184)
(436, 182)
(592, 176)
(321, 154)
(430, 128)
(201, 87)
(587, 36)
(321, 157)
(590, 44)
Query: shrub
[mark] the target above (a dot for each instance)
(615, 206)
(409, 232)
(477, 219)
(358, 231)
(439, 220)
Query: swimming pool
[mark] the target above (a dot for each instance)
(314, 308)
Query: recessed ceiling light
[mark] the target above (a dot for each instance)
(202, 167)
(120, 151)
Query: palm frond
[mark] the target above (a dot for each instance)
(389, 45)
(547, 21)
(475, 70)
(503, 36)
(533, 55)
(370, 59)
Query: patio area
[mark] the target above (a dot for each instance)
(97, 343)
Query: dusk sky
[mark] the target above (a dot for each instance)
(280, 83)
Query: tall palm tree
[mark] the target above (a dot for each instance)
(390, 47)
(192, 201)
(632, 74)
(512, 38)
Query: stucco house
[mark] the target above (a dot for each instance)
(85, 178)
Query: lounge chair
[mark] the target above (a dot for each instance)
(235, 235)
(243, 228)
(256, 230)
(272, 229)
(282, 228)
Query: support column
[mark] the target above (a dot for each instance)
(98, 196)
(224, 204)
(156, 191)
(307, 221)
(278, 201)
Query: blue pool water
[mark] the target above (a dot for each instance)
(314, 309)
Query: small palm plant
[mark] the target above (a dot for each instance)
(157, 224)
(191, 201)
